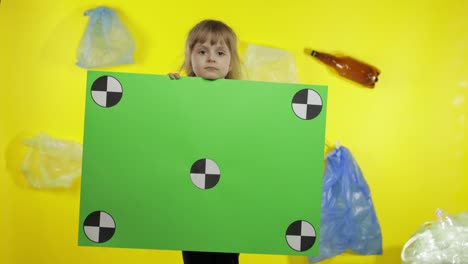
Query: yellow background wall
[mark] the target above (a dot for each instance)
(408, 134)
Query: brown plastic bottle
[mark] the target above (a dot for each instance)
(349, 68)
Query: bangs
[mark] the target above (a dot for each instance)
(213, 36)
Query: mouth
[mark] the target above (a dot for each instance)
(211, 68)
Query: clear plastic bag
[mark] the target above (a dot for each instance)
(269, 64)
(444, 241)
(348, 219)
(106, 40)
(51, 163)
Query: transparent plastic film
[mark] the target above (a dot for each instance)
(443, 241)
(106, 40)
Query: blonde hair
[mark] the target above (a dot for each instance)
(215, 31)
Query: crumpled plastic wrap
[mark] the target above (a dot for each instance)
(51, 163)
(443, 241)
(106, 40)
(269, 65)
(348, 219)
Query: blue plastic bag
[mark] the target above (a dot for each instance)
(106, 41)
(348, 217)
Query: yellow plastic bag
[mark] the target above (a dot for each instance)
(269, 64)
(51, 163)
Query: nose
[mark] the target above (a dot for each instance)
(211, 57)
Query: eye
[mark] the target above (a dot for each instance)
(221, 53)
(202, 52)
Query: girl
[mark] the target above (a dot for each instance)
(210, 53)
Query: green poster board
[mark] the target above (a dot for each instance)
(199, 165)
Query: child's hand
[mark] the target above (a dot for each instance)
(174, 76)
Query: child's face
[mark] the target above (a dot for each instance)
(211, 61)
